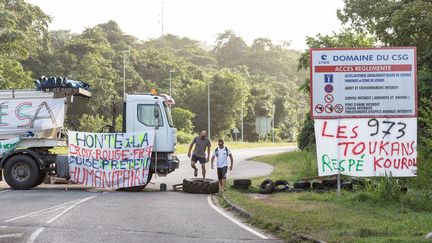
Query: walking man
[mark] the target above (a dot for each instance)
(222, 153)
(199, 153)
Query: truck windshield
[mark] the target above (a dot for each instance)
(168, 114)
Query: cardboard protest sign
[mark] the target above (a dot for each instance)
(367, 147)
(8, 145)
(20, 116)
(110, 160)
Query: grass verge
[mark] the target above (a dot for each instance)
(348, 218)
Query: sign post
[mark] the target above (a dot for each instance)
(236, 131)
(364, 106)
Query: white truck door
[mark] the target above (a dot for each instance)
(145, 118)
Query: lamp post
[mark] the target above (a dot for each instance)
(171, 71)
(273, 120)
(208, 108)
(125, 55)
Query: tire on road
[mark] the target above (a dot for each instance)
(21, 172)
(242, 182)
(281, 186)
(266, 187)
(136, 188)
(197, 185)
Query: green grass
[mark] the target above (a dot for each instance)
(326, 216)
(183, 148)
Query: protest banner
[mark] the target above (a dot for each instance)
(367, 147)
(110, 160)
(20, 116)
(8, 145)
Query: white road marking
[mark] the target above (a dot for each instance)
(2, 227)
(69, 208)
(3, 191)
(39, 230)
(40, 211)
(35, 235)
(235, 221)
(18, 235)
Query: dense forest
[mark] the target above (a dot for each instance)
(252, 78)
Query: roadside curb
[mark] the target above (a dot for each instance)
(245, 214)
(235, 208)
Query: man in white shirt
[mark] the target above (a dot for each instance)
(222, 153)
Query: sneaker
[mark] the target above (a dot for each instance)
(196, 172)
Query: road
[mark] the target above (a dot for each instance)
(49, 213)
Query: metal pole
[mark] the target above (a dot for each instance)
(124, 76)
(208, 109)
(273, 131)
(124, 73)
(339, 172)
(242, 120)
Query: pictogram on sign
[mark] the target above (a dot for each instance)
(319, 108)
(328, 98)
(329, 108)
(338, 108)
(328, 88)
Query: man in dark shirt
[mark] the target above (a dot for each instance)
(199, 153)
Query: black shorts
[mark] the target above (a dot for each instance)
(222, 172)
(195, 158)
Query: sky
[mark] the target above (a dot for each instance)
(203, 20)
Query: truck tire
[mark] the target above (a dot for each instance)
(266, 187)
(21, 172)
(41, 178)
(136, 188)
(242, 182)
(196, 185)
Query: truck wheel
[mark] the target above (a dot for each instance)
(21, 172)
(196, 185)
(136, 188)
(41, 178)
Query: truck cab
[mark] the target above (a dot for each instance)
(148, 112)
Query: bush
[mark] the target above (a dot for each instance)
(92, 123)
(184, 138)
(306, 138)
(419, 201)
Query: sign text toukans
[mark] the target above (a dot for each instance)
(364, 105)
(110, 160)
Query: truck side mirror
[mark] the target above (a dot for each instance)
(156, 115)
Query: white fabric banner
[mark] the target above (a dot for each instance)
(110, 160)
(367, 147)
(31, 115)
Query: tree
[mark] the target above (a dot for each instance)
(182, 120)
(230, 49)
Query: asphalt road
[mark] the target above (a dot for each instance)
(49, 213)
